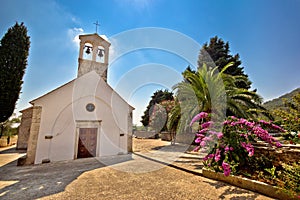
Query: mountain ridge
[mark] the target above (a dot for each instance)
(278, 102)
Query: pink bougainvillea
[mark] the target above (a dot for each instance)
(199, 116)
(233, 146)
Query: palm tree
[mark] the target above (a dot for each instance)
(173, 121)
(214, 92)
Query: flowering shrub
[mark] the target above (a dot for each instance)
(229, 144)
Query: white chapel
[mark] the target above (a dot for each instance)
(82, 118)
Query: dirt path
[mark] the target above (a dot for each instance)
(146, 145)
(127, 177)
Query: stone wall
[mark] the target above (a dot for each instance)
(129, 135)
(86, 66)
(34, 133)
(24, 128)
(286, 154)
(12, 141)
(185, 138)
(166, 136)
(145, 134)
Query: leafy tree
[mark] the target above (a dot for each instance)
(217, 53)
(158, 118)
(159, 115)
(158, 97)
(14, 51)
(173, 121)
(10, 126)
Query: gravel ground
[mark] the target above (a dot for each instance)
(146, 145)
(90, 179)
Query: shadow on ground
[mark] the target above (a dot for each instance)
(12, 150)
(233, 190)
(177, 148)
(36, 181)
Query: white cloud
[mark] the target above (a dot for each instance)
(73, 35)
(104, 37)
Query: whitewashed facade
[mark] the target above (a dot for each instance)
(83, 118)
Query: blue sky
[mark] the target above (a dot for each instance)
(264, 32)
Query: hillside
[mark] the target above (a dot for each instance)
(278, 102)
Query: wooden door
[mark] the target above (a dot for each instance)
(87, 143)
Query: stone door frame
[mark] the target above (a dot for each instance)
(87, 124)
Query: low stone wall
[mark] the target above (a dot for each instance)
(145, 134)
(12, 141)
(286, 154)
(165, 136)
(248, 184)
(185, 138)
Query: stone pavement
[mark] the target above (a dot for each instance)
(142, 175)
(179, 156)
(9, 154)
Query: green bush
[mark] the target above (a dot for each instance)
(290, 176)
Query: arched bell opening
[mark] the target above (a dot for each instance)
(88, 51)
(100, 54)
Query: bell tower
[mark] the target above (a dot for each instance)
(93, 55)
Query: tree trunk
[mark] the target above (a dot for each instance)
(1, 130)
(173, 138)
(8, 140)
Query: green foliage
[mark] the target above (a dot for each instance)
(232, 152)
(156, 98)
(290, 177)
(158, 118)
(285, 176)
(292, 137)
(10, 126)
(271, 171)
(174, 117)
(139, 128)
(289, 116)
(229, 145)
(202, 90)
(209, 91)
(262, 162)
(159, 115)
(14, 51)
(217, 53)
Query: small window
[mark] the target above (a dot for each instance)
(90, 107)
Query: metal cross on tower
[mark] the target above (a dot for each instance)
(97, 24)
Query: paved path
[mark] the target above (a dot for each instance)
(120, 177)
(9, 154)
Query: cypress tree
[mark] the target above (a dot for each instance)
(14, 50)
(217, 53)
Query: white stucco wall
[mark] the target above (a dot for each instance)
(65, 106)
